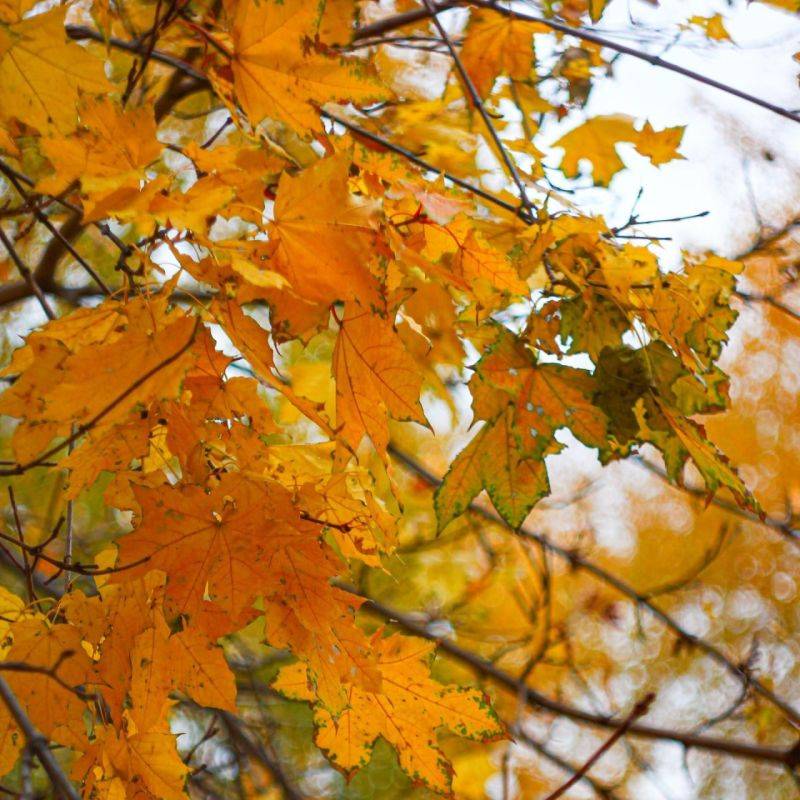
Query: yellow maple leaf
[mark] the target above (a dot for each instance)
(42, 73)
(110, 150)
(133, 764)
(659, 146)
(323, 249)
(278, 73)
(407, 712)
(375, 377)
(498, 45)
(596, 141)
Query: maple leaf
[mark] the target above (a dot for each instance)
(498, 45)
(659, 146)
(52, 706)
(199, 668)
(524, 404)
(324, 252)
(95, 383)
(495, 460)
(212, 544)
(278, 73)
(108, 153)
(641, 391)
(111, 624)
(117, 763)
(42, 73)
(242, 541)
(375, 377)
(596, 141)
(110, 449)
(407, 712)
(314, 620)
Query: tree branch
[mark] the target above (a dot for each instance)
(482, 667)
(600, 790)
(579, 562)
(38, 744)
(27, 276)
(478, 104)
(257, 751)
(639, 710)
(410, 17)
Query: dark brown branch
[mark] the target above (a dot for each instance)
(579, 562)
(81, 33)
(25, 563)
(521, 736)
(639, 710)
(27, 275)
(65, 242)
(38, 744)
(256, 751)
(478, 105)
(388, 24)
(408, 18)
(73, 224)
(484, 668)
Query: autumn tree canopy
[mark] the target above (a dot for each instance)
(348, 450)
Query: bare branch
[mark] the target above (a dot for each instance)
(408, 18)
(42, 218)
(257, 751)
(478, 105)
(482, 667)
(522, 736)
(27, 275)
(639, 710)
(38, 744)
(579, 562)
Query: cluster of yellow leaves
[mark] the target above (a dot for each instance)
(381, 279)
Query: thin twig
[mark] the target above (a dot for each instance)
(478, 105)
(27, 275)
(20, 542)
(639, 710)
(520, 735)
